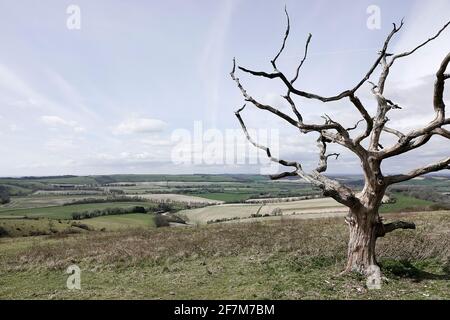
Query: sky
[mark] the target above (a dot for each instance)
(144, 86)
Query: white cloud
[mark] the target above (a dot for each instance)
(142, 125)
(55, 121)
(157, 142)
(14, 127)
(60, 144)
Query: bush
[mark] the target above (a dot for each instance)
(106, 200)
(139, 210)
(107, 212)
(276, 212)
(4, 195)
(161, 221)
(81, 226)
(3, 232)
(164, 207)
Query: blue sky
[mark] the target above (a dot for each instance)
(106, 98)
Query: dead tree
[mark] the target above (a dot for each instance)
(363, 219)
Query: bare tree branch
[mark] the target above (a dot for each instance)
(294, 107)
(298, 168)
(407, 53)
(355, 126)
(369, 121)
(260, 105)
(344, 138)
(384, 106)
(286, 35)
(423, 135)
(438, 97)
(441, 165)
(387, 65)
(330, 187)
(323, 157)
(389, 227)
(303, 60)
(442, 132)
(394, 132)
(339, 96)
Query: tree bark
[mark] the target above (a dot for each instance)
(363, 228)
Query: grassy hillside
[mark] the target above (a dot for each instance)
(287, 259)
(11, 227)
(122, 221)
(65, 212)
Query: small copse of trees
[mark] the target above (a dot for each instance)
(4, 195)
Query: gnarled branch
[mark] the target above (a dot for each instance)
(440, 165)
(389, 227)
(330, 187)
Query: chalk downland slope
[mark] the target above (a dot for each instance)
(285, 259)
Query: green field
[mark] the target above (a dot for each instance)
(225, 196)
(41, 201)
(405, 203)
(65, 212)
(45, 226)
(122, 221)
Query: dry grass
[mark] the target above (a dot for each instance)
(314, 238)
(285, 259)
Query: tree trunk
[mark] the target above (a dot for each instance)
(363, 226)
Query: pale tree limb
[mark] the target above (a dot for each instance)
(323, 157)
(407, 143)
(389, 227)
(444, 164)
(407, 53)
(398, 133)
(442, 132)
(331, 188)
(298, 168)
(384, 106)
(387, 65)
